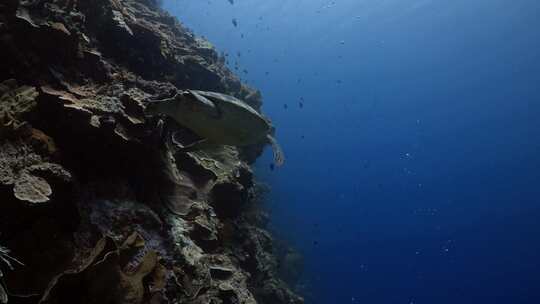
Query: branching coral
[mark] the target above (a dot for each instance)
(8, 261)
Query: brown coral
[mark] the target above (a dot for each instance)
(28, 173)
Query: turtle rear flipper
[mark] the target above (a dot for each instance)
(279, 156)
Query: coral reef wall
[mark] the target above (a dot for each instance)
(91, 202)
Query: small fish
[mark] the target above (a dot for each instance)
(241, 35)
(285, 106)
(266, 73)
(231, 2)
(301, 105)
(272, 167)
(245, 71)
(234, 22)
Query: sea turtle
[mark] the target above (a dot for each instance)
(218, 118)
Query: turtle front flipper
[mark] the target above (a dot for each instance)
(279, 156)
(198, 145)
(204, 104)
(160, 132)
(203, 144)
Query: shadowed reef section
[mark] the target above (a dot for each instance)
(93, 205)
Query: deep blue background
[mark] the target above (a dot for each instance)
(417, 179)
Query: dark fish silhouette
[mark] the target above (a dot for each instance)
(301, 104)
(272, 167)
(234, 22)
(285, 106)
(231, 2)
(367, 164)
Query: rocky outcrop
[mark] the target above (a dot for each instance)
(91, 202)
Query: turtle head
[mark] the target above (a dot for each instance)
(184, 105)
(163, 106)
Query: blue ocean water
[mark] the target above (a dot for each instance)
(412, 136)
